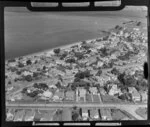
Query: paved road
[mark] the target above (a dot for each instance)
(130, 108)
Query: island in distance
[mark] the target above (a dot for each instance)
(99, 79)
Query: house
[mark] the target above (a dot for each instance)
(29, 115)
(47, 94)
(9, 116)
(70, 95)
(16, 97)
(94, 115)
(102, 91)
(19, 115)
(131, 89)
(60, 94)
(105, 114)
(114, 90)
(9, 88)
(144, 97)
(136, 96)
(85, 114)
(25, 73)
(13, 64)
(56, 98)
(82, 93)
(93, 90)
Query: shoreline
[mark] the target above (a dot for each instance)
(50, 51)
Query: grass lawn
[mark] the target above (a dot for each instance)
(96, 98)
(88, 98)
(110, 99)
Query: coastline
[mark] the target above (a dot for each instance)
(49, 51)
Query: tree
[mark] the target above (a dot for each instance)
(99, 72)
(115, 71)
(9, 82)
(76, 79)
(35, 74)
(70, 60)
(44, 68)
(28, 62)
(28, 78)
(121, 78)
(75, 116)
(20, 65)
(41, 86)
(56, 51)
(58, 85)
(33, 94)
(18, 72)
(130, 81)
(24, 90)
(82, 75)
(65, 53)
(139, 23)
(123, 97)
(79, 55)
(104, 51)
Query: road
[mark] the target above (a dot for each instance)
(130, 108)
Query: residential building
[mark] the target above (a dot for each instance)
(114, 90)
(102, 91)
(85, 114)
(70, 95)
(94, 114)
(29, 115)
(144, 97)
(105, 114)
(131, 89)
(9, 116)
(60, 94)
(82, 93)
(19, 115)
(136, 96)
(93, 90)
(47, 94)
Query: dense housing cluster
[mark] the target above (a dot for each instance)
(103, 70)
